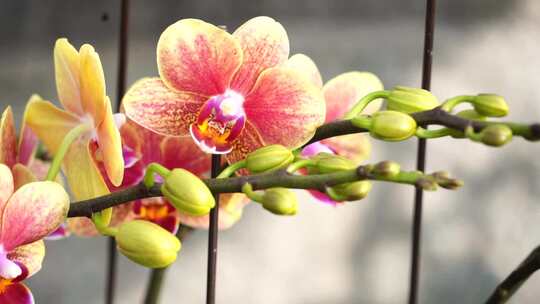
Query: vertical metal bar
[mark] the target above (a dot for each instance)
(213, 238)
(120, 89)
(421, 157)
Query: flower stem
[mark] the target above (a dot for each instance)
(363, 102)
(299, 164)
(232, 168)
(154, 168)
(451, 103)
(72, 135)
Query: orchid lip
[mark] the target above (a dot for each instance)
(8, 269)
(220, 121)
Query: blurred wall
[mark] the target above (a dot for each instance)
(357, 253)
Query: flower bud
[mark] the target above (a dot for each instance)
(392, 126)
(467, 114)
(353, 191)
(280, 201)
(147, 244)
(329, 163)
(496, 135)
(187, 193)
(490, 105)
(409, 100)
(269, 158)
(387, 168)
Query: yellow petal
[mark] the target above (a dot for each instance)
(49, 123)
(22, 175)
(67, 70)
(30, 255)
(110, 145)
(92, 84)
(6, 187)
(8, 139)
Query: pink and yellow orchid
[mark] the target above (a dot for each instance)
(142, 147)
(87, 109)
(27, 215)
(340, 94)
(231, 92)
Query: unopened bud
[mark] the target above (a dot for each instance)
(496, 135)
(490, 105)
(410, 100)
(187, 193)
(353, 191)
(269, 158)
(387, 168)
(392, 126)
(280, 201)
(147, 244)
(329, 163)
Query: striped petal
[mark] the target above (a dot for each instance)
(197, 57)
(356, 147)
(306, 66)
(34, 211)
(249, 141)
(49, 123)
(7, 187)
(231, 206)
(15, 293)
(30, 256)
(8, 139)
(110, 146)
(28, 141)
(22, 176)
(182, 152)
(154, 106)
(264, 44)
(344, 90)
(67, 70)
(285, 107)
(93, 96)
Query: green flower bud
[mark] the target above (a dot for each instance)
(490, 105)
(187, 193)
(392, 126)
(269, 158)
(496, 135)
(387, 168)
(280, 201)
(147, 244)
(329, 163)
(409, 100)
(353, 191)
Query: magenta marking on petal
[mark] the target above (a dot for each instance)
(8, 269)
(130, 157)
(16, 293)
(59, 233)
(323, 198)
(316, 148)
(169, 223)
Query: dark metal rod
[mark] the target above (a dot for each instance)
(120, 89)
(213, 238)
(421, 157)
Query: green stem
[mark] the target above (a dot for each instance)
(451, 103)
(425, 133)
(72, 135)
(103, 227)
(247, 189)
(363, 102)
(154, 168)
(299, 164)
(232, 168)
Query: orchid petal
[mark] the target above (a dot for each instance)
(182, 152)
(33, 211)
(356, 147)
(58, 234)
(7, 186)
(264, 44)
(323, 198)
(67, 70)
(152, 105)
(22, 176)
(39, 169)
(231, 206)
(344, 90)
(8, 139)
(249, 141)
(15, 293)
(197, 57)
(110, 145)
(28, 142)
(306, 66)
(30, 256)
(285, 107)
(50, 123)
(92, 84)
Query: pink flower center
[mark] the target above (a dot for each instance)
(221, 120)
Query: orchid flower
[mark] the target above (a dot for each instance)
(230, 92)
(87, 120)
(340, 94)
(142, 147)
(27, 215)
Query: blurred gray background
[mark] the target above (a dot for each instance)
(357, 253)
